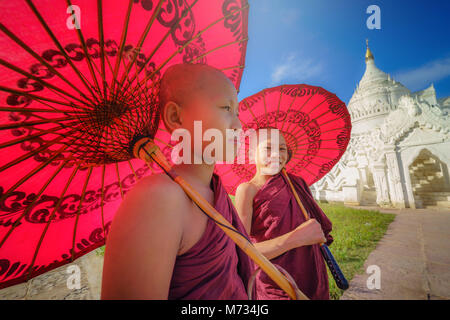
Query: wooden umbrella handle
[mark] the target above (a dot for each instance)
(146, 150)
(305, 214)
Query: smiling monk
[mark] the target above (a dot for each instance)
(272, 217)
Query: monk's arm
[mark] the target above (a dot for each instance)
(274, 247)
(143, 243)
(305, 234)
(245, 193)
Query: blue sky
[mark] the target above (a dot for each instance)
(322, 43)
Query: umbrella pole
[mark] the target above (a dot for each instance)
(146, 150)
(335, 270)
(302, 208)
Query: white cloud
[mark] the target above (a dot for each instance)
(295, 68)
(416, 79)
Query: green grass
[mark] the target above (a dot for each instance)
(356, 233)
(100, 251)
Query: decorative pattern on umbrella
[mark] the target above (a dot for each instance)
(78, 86)
(315, 123)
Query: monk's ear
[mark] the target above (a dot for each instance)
(171, 116)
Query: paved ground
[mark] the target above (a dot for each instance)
(413, 257)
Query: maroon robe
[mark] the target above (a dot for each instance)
(276, 212)
(214, 268)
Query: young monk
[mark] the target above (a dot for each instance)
(276, 225)
(161, 245)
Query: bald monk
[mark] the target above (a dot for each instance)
(161, 245)
(272, 217)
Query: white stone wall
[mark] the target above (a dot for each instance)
(409, 154)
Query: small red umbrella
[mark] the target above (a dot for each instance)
(315, 123)
(78, 87)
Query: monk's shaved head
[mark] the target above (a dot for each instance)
(192, 94)
(180, 81)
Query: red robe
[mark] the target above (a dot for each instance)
(276, 212)
(214, 268)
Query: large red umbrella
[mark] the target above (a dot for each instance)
(315, 123)
(78, 86)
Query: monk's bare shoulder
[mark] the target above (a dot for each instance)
(148, 223)
(246, 190)
(159, 184)
(155, 202)
(155, 192)
(245, 193)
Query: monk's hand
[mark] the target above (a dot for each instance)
(309, 233)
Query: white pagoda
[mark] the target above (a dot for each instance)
(399, 151)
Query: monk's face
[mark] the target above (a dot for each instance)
(207, 95)
(271, 156)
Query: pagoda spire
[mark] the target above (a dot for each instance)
(369, 55)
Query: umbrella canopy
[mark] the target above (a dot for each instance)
(78, 86)
(315, 123)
